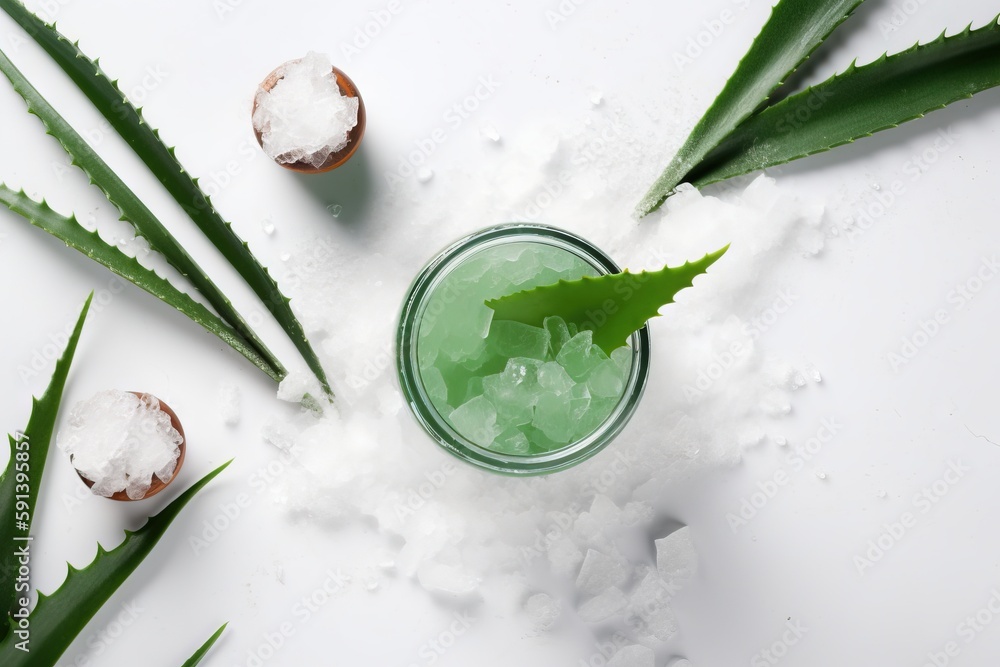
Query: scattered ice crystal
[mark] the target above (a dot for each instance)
(543, 610)
(267, 226)
(600, 572)
(229, 403)
(445, 578)
(490, 133)
(279, 434)
(751, 437)
(676, 558)
(496, 527)
(603, 606)
(120, 441)
(650, 605)
(633, 656)
(424, 174)
(305, 117)
(296, 385)
(564, 556)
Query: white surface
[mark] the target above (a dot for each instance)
(899, 429)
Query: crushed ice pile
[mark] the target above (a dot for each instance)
(579, 544)
(508, 386)
(119, 441)
(305, 117)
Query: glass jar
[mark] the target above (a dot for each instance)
(407, 348)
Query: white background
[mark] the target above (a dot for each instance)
(901, 427)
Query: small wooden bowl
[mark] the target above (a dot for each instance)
(348, 89)
(157, 484)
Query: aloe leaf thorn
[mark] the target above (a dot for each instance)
(23, 476)
(859, 102)
(70, 232)
(132, 209)
(624, 301)
(162, 162)
(60, 616)
(794, 30)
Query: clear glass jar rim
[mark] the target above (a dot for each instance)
(434, 423)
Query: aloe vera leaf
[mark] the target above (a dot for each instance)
(861, 101)
(59, 617)
(93, 246)
(132, 209)
(626, 301)
(23, 485)
(145, 141)
(199, 655)
(794, 30)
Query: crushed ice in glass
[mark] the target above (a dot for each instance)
(507, 386)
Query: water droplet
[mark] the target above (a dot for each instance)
(425, 174)
(267, 226)
(285, 256)
(820, 474)
(335, 210)
(781, 441)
